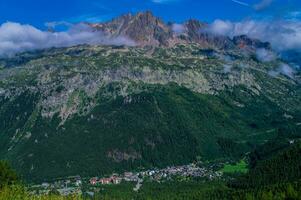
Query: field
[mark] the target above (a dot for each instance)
(240, 167)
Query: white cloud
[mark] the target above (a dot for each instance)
(53, 25)
(178, 28)
(263, 4)
(264, 55)
(283, 69)
(241, 3)
(220, 27)
(283, 35)
(15, 37)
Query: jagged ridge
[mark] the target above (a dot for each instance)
(146, 29)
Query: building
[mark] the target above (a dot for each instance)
(78, 183)
(105, 181)
(93, 181)
(116, 180)
(128, 174)
(111, 180)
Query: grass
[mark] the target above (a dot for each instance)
(240, 167)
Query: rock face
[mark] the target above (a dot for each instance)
(245, 42)
(147, 30)
(143, 28)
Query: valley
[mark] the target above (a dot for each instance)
(168, 115)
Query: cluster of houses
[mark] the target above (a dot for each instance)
(73, 185)
(158, 174)
(114, 179)
(67, 186)
(191, 170)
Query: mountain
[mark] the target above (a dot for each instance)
(143, 28)
(94, 110)
(147, 30)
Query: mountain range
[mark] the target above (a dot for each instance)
(178, 95)
(147, 30)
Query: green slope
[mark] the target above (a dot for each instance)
(167, 125)
(93, 110)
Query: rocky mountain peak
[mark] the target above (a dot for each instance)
(145, 29)
(194, 25)
(147, 17)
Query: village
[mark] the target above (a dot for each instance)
(74, 185)
(158, 175)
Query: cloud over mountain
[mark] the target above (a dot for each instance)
(178, 28)
(15, 37)
(283, 69)
(146, 29)
(282, 34)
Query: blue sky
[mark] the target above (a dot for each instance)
(37, 12)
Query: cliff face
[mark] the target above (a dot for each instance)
(143, 28)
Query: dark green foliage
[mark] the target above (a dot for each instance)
(230, 148)
(275, 174)
(165, 125)
(7, 175)
(281, 191)
(284, 166)
(269, 149)
(15, 113)
(195, 190)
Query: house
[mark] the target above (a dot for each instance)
(152, 172)
(93, 181)
(78, 182)
(128, 174)
(116, 180)
(105, 181)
